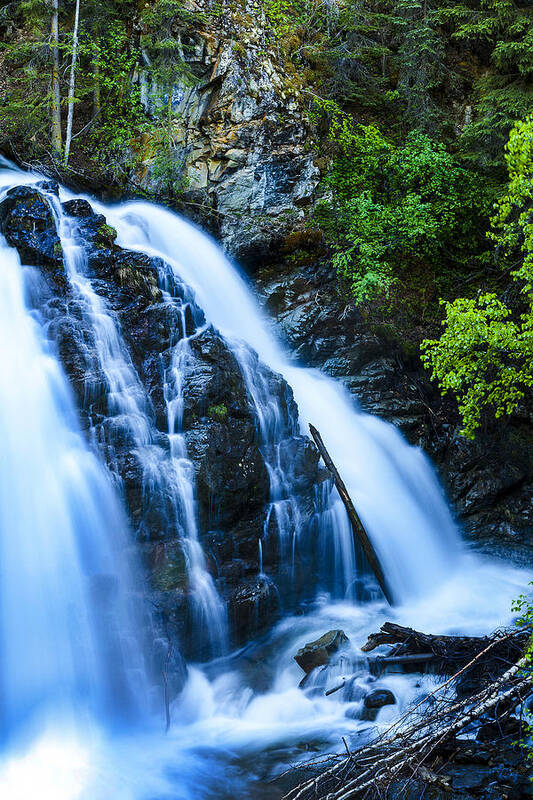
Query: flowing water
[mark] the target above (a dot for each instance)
(69, 647)
(72, 680)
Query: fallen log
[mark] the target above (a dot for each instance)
(408, 658)
(393, 634)
(449, 653)
(340, 686)
(357, 526)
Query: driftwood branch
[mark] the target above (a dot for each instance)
(357, 526)
(165, 685)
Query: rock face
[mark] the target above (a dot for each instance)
(218, 418)
(251, 603)
(490, 481)
(252, 174)
(318, 653)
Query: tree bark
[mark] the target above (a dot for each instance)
(72, 82)
(56, 90)
(96, 75)
(357, 526)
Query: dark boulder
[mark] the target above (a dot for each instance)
(379, 698)
(78, 208)
(253, 606)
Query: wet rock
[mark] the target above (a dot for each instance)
(27, 222)
(379, 698)
(318, 653)
(78, 208)
(231, 476)
(253, 605)
(220, 425)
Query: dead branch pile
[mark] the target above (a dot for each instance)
(449, 653)
(407, 748)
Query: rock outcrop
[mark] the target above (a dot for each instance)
(489, 481)
(219, 420)
(241, 139)
(319, 653)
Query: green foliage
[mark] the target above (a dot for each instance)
(483, 357)
(388, 204)
(24, 112)
(116, 42)
(280, 15)
(219, 412)
(420, 60)
(485, 354)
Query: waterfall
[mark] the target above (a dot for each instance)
(68, 640)
(69, 629)
(393, 485)
(168, 473)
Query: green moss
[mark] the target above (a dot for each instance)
(219, 413)
(106, 235)
(172, 573)
(58, 249)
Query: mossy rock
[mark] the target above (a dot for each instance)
(171, 573)
(105, 236)
(219, 412)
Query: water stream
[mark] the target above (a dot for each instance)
(76, 720)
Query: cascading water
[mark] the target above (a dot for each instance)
(396, 492)
(168, 473)
(67, 635)
(62, 534)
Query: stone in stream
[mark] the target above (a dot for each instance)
(376, 700)
(379, 698)
(318, 653)
(27, 222)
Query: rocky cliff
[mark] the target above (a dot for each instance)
(489, 480)
(241, 137)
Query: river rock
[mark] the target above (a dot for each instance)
(379, 698)
(318, 653)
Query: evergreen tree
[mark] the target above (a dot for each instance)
(500, 34)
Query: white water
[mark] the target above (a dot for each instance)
(226, 714)
(393, 484)
(68, 639)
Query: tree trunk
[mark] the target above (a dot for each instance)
(72, 82)
(56, 91)
(96, 78)
(357, 526)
